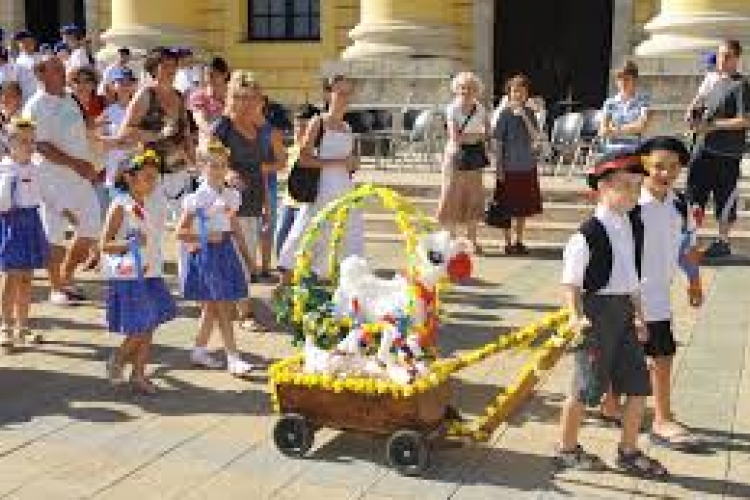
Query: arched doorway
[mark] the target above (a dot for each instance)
(44, 17)
(563, 46)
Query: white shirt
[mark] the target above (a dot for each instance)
(79, 58)
(59, 121)
(662, 225)
(31, 191)
(27, 60)
(217, 205)
(25, 77)
(150, 220)
(188, 79)
(114, 114)
(475, 125)
(624, 277)
(708, 83)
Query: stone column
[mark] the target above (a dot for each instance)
(13, 16)
(693, 26)
(413, 28)
(144, 24)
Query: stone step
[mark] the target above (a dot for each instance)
(554, 211)
(551, 232)
(426, 185)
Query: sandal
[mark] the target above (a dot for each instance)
(510, 250)
(578, 459)
(143, 386)
(250, 325)
(639, 464)
(683, 441)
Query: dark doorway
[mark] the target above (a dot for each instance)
(44, 17)
(564, 47)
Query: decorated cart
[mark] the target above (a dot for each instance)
(369, 361)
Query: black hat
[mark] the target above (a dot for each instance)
(665, 143)
(626, 160)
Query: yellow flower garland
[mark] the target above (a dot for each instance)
(288, 371)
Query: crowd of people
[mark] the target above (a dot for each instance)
(111, 154)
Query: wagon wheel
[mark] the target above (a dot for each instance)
(293, 435)
(406, 452)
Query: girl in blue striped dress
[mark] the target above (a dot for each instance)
(23, 243)
(212, 272)
(138, 300)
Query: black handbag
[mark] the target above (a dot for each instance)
(496, 214)
(303, 182)
(472, 157)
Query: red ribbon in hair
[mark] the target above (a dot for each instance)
(615, 164)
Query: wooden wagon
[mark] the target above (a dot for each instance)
(410, 424)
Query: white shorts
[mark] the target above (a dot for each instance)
(249, 227)
(73, 193)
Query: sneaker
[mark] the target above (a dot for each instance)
(76, 294)
(238, 367)
(718, 249)
(201, 358)
(63, 298)
(578, 459)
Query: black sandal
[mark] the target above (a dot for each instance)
(641, 465)
(578, 459)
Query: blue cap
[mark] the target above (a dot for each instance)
(72, 29)
(21, 35)
(60, 46)
(709, 60)
(123, 74)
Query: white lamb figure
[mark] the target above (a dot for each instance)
(368, 299)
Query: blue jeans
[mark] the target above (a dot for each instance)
(287, 214)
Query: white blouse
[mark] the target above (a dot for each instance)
(218, 206)
(25, 180)
(150, 220)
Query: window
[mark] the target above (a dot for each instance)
(284, 19)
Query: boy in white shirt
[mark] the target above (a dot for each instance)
(600, 276)
(669, 240)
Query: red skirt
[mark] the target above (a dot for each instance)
(520, 193)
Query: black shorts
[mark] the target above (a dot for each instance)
(610, 353)
(661, 341)
(717, 176)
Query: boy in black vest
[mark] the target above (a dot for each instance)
(669, 240)
(602, 292)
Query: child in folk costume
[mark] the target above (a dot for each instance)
(23, 243)
(602, 289)
(212, 271)
(138, 300)
(669, 240)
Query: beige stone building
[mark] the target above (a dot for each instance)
(404, 50)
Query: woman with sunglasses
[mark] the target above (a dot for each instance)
(328, 145)
(83, 84)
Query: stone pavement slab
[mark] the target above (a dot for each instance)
(64, 433)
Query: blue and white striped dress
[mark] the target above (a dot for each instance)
(23, 242)
(138, 300)
(212, 271)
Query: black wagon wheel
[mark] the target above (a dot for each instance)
(407, 452)
(293, 435)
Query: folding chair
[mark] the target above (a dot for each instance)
(565, 138)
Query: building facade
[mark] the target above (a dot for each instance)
(410, 47)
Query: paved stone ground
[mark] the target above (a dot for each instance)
(64, 433)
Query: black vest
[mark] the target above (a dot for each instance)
(599, 269)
